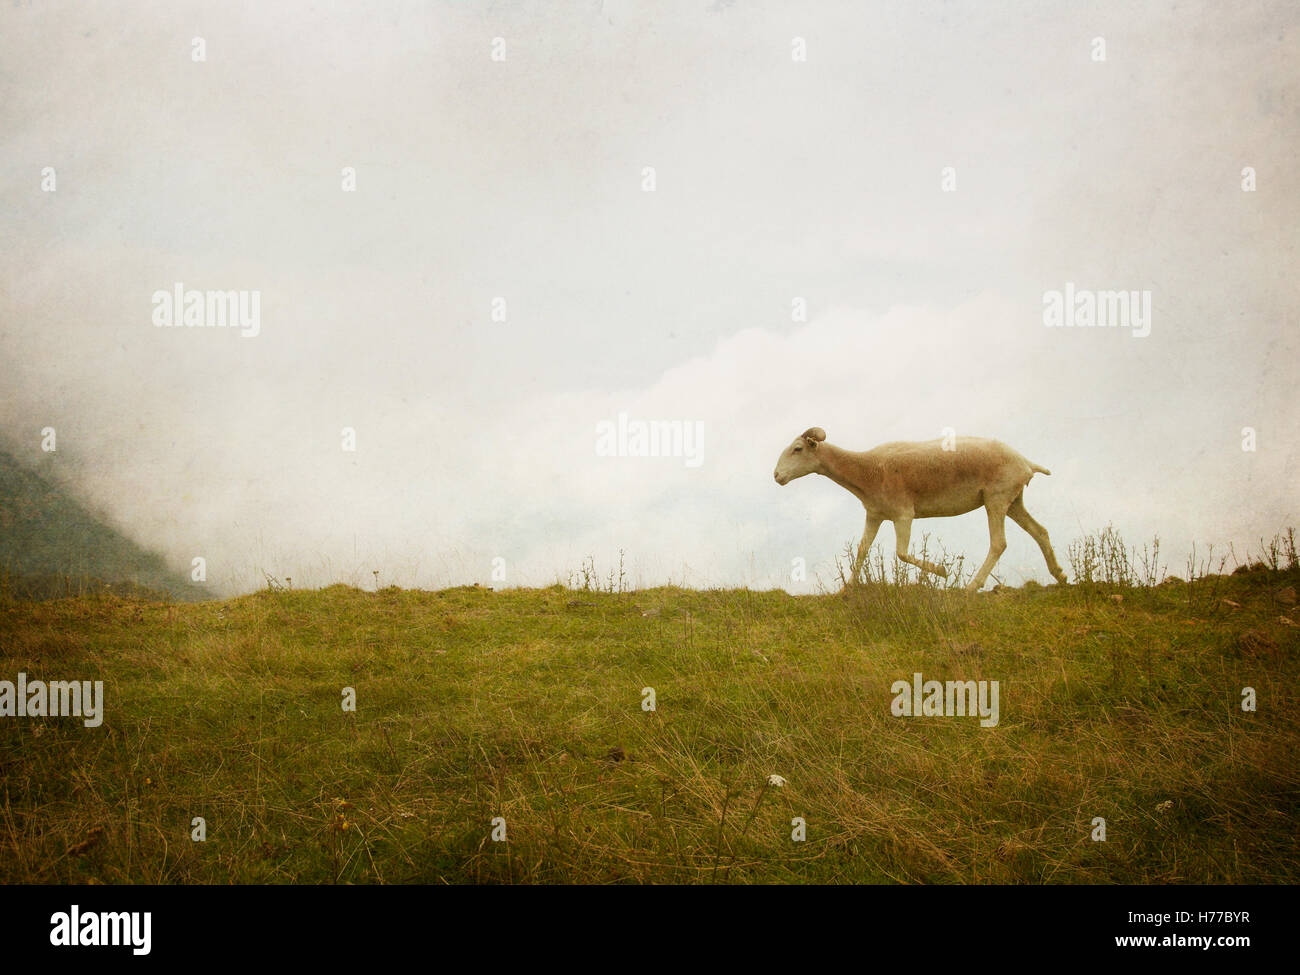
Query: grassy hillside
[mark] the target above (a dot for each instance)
(527, 705)
(51, 545)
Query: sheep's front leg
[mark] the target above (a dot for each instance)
(868, 536)
(903, 536)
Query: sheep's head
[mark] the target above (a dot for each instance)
(800, 457)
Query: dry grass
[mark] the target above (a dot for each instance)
(526, 704)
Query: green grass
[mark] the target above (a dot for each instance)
(526, 704)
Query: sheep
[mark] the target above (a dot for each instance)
(905, 480)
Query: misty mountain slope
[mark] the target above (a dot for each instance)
(51, 545)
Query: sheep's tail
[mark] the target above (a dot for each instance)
(1038, 470)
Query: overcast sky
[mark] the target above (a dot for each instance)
(524, 179)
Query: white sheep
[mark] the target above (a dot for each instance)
(905, 480)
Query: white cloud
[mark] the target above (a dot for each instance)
(478, 179)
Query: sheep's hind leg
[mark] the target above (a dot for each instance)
(997, 511)
(1038, 533)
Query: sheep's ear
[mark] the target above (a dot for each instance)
(813, 435)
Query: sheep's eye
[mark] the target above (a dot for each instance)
(797, 449)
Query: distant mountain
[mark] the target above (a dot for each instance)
(51, 545)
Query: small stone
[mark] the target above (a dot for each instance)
(1253, 643)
